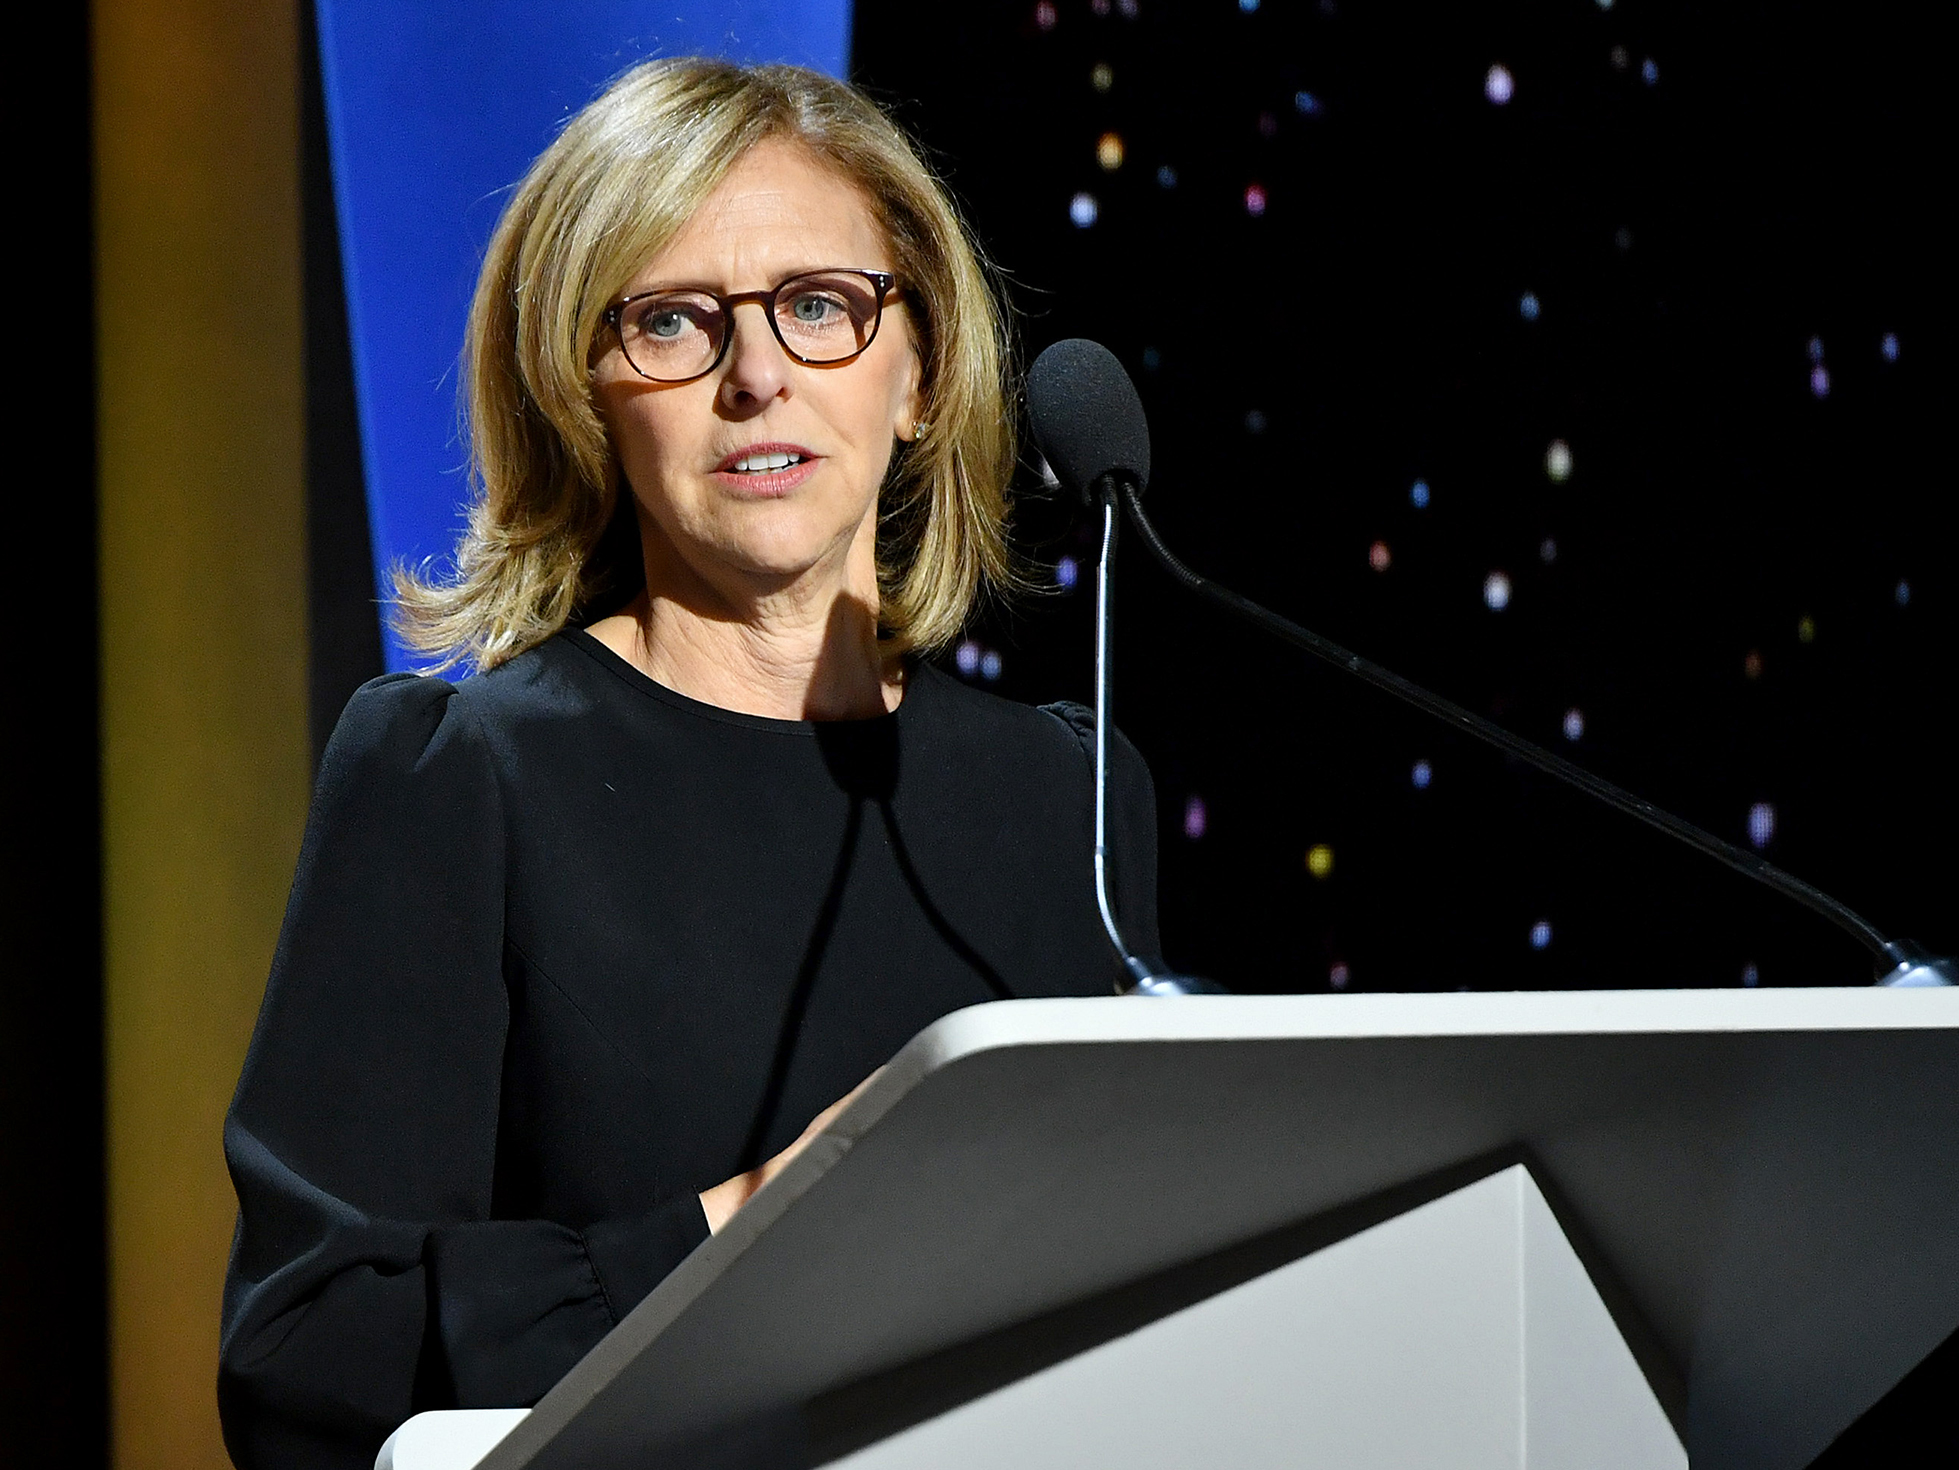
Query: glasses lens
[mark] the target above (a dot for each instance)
(672, 336)
(827, 316)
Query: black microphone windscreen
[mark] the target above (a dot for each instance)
(1087, 419)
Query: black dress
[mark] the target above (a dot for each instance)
(566, 948)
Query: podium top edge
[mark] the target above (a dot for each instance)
(1227, 1018)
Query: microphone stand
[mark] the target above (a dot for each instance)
(1143, 980)
(1900, 962)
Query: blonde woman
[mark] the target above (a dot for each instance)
(581, 944)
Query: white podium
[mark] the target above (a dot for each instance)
(1608, 1230)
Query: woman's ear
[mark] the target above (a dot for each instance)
(911, 406)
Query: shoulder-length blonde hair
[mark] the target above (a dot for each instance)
(548, 538)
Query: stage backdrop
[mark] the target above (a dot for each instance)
(434, 109)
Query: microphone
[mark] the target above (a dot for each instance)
(1089, 423)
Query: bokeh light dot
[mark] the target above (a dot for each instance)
(1498, 85)
(1805, 629)
(1540, 934)
(1649, 71)
(1306, 104)
(1751, 975)
(1319, 860)
(1547, 550)
(1067, 572)
(1255, 200)
(1338, 975)
(1421, 775)
(989, 665)
(1045, 15)
(1166, 177)
(1418, 495)
(1496, 591)
(1083, 210)
(1196, 818)
(1528, 306)
(1378, 556)
(1108, 151)
(1902, 593)
(1819, 381)
(1557, 461)
(968, 657)
(1761, 823)
(1102, 76)
(1574, 724)
(1888, 347)
(1254, 422)
(1751, 664)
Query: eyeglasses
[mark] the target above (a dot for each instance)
(823, 318)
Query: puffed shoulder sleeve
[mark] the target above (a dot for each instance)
(368, 1277)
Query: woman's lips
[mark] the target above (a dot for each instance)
(788, 465)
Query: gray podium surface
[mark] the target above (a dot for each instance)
(1763, 1186)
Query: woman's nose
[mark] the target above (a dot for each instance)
(758, 368)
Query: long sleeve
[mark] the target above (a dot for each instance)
(368, 1277)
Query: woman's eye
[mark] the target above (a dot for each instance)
(814, 310)
(663, 323)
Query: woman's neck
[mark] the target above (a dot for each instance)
(798, 652)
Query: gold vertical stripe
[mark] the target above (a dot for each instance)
(203, 600)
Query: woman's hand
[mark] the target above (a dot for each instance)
(720, 1203)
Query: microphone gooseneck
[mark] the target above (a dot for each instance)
(1091, 429)
(1089, 423)
(1143, 979)
(1139, 973)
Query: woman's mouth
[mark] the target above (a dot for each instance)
(757, 464)
(766, 469)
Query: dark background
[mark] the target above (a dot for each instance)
(53, 1263)
(1695, 232)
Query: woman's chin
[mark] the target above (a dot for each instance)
(778, 559)
(783, 543)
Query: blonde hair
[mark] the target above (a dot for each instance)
(549, 535)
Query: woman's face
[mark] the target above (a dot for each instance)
(779, 213)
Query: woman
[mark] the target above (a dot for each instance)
(580, 945)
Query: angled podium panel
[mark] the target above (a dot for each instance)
(1464, 1332)
(1598, 1228)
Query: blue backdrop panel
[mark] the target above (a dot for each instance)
(434, 109)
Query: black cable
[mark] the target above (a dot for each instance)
(1741, 860)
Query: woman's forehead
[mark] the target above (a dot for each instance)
(780, 210)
